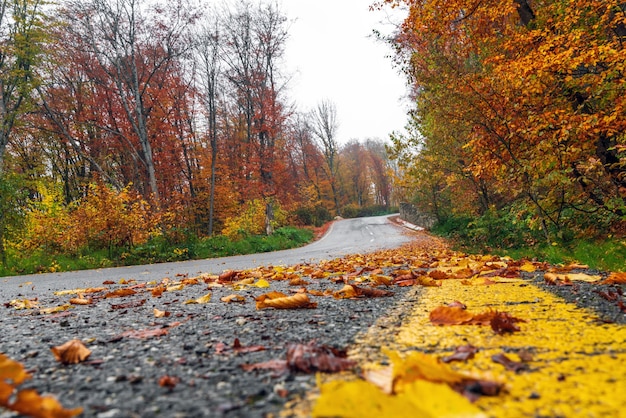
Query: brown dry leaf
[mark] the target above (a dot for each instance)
(129, 305)
(461, 353)
(238, 348)
(346, 292)
(439, 275)
(157, 291)
(29, 403)
(311, 357)
(514, 366)
(161, 314)
(12, 370)
(450, 315)
(72, 352)
(228, 276)
(298, 281)
(169, 381)
(503, 323)
(297, 301)
(81, 300)
(379, 279)
(233, 298)
(120, 293)
(142, 333)
(615, 278)
(190, 282)
(279, 366)
(354, 291)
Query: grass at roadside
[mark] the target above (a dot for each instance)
(505, 238)
(608, 255)
(157, 250)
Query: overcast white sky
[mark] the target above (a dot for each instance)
(332, 55)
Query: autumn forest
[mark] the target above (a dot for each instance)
(519, 122)
(127, 120)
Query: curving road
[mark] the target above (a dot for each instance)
(348, 236)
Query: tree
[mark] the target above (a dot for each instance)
(22, 34)
(209, 72)
(324, 125)
(132, 53)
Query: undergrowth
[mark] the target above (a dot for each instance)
(157, 250)
(508, 236)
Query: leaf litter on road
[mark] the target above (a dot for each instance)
(444, 276)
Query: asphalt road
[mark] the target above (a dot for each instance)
(348, 236)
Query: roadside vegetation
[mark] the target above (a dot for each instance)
(499, 235)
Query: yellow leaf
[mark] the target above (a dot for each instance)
(24, 303)
(262, 283)
(175, 288)
(528, 267)
(202, 299)
(160, 314)
(233, 298)
(420, 399)
(55, 309)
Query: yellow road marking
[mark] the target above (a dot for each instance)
(578, 367)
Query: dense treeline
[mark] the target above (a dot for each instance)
(129, 119)
(520, 119)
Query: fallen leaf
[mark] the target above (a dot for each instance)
(157, 291)
(11, 370)
(514, 366)
(228, 276)
(276, 365)
(128, 305)
(360, 399)
(169, 381)
(142, 334)
(175, 288)
(120, 293)
(81, 300)
(23, 304)
(29, 403)
(298, 281)
(233, 298)
(161, 314)
(299, 300)
(353, 291)
(500, 322)
(201, 300)
(238, 348)
(55, 309)
(615, 278)
(450, 315)
(72, 352)
(311, 357)
(78, 291)
(461, 353)
(503, 323)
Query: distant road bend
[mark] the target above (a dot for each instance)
(348, 236)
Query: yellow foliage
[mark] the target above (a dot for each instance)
(251, 219)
